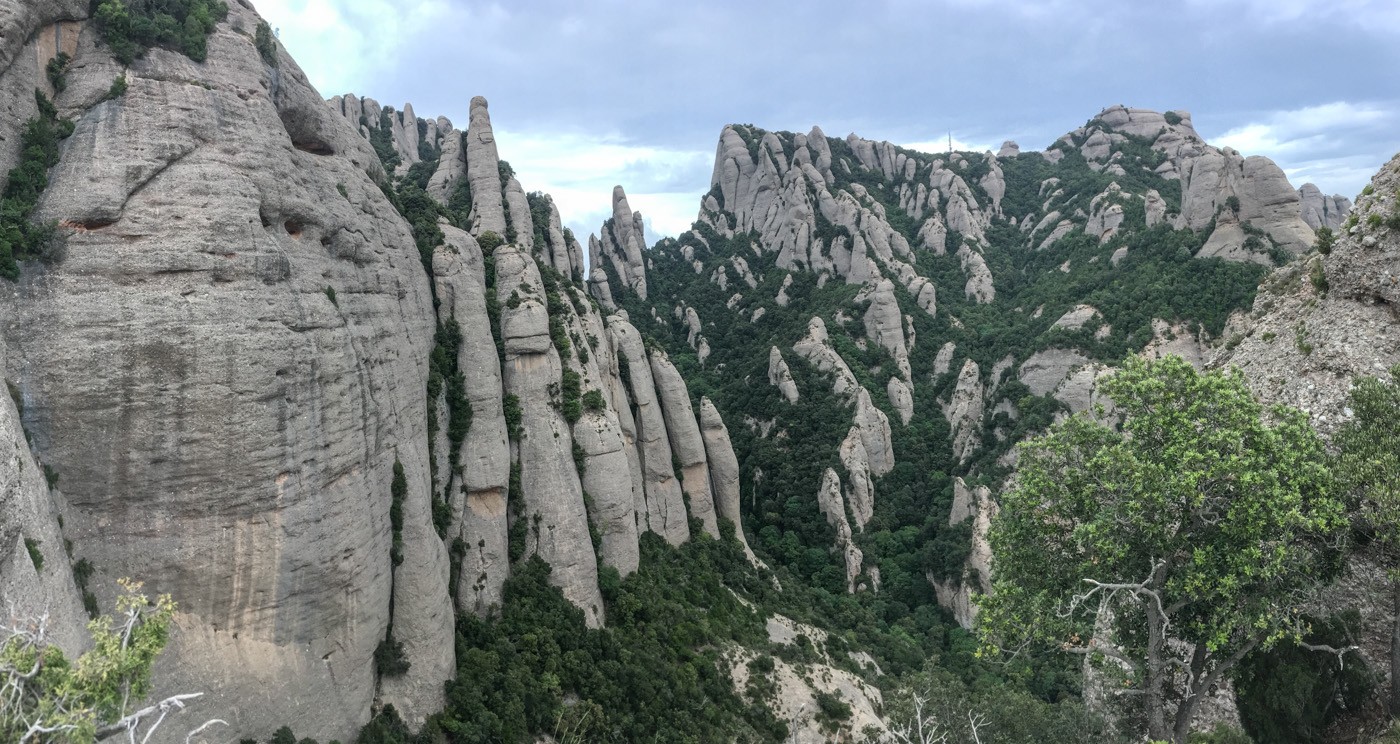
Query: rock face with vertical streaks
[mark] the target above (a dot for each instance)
(229, 395)
(665, 506)
(687, 446)
(478, 495)
(556, 526)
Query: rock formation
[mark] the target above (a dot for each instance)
(956, 594)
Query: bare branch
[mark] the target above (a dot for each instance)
(1340, 653)
(203, 726)
(132, 722)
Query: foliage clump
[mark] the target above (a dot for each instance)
(131, 27)
(266, 44)
(89, 698)
(21, 238)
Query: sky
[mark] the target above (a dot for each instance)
(588, 95)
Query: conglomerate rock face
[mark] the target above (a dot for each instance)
(223, 429)
(227, 370)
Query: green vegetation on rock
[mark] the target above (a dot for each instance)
(131, 27)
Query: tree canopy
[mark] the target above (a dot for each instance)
(1188, 522)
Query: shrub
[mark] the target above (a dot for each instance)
(1172, 117)
(19, 237)
(266, 44)
(570, 392)
(330, 295)
(389, 658)
(55, 70)
(35, 555)
(514, 415)
(179, 25)
(1325, 240)
(343, 192)
(593, 400)
(398, 489)
(118, 88)
(489, 241)
(1318, 275)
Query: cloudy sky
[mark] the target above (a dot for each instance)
(585, 95)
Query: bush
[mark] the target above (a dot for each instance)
(330, 295)
(593, 400)
(570, 392)
(55, 70)
(1318, 276)
(1325, 240)
(118, 88)
(398, 490)
(1172, 117)
(266, 44)
(178, 25)
(389, 658)
(514, 425)
(35, 556)
(19, 237)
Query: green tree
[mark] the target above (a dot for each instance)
(1189, 530)
(45, 697)
(1368, 471)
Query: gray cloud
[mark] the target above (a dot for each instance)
(664, 77)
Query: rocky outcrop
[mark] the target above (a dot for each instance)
(814, 347)
(798, 685)
(36, 578)
(979, 285)
(956, 594)
(1302, 347)
(1320, 210)
(833, 507)
(483, 172)
(902, 398)
(687, 446)
(884, 324)
(964, 411)
(664, 506)
(552, 494)
(780, 376)
(618, 250)
(1045, 370)
(724, 466)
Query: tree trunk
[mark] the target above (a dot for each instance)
(1395, 650)
(1157, 729)
(1195, 688)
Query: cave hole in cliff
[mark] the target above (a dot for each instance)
(293, 228)
(314, 147)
